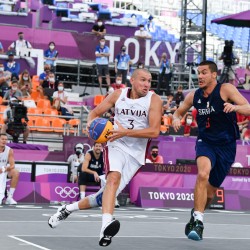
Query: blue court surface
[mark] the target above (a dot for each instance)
(24, 227)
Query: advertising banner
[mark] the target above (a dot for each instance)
(51, 172)
(25, 170)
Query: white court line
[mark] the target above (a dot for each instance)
(28, 242)
(125, 236)
(129, 221)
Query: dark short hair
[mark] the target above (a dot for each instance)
(52, 43)
(3, 134)
(212, 65)
(154, 147)
(14, 81)
(19, 33)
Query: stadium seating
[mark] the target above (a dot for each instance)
(43, 104)
(58, 125)
(98, 99)
(43, 124)
(73, 126)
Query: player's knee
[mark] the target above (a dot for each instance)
(95, 200)
(113, 180)
(203, 175)
(14, 173)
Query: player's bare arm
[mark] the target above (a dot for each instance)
(155, 112)
(182, 110)
(11, 160)
(85, 164)
(104, 106)
(235, 102)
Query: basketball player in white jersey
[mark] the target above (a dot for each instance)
(137, 119)
(7, 169)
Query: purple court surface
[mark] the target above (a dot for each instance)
(24, 227)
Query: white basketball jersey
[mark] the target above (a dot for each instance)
(132, 114)
(4, 156)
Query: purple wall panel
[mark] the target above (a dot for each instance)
(17, 20)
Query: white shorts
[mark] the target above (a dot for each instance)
(3, 179)
(117, 160)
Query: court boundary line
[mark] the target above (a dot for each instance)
(126, 236)
(130, 221)
(28, 242)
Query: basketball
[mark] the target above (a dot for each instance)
(99, 129)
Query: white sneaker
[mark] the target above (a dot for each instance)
(61, 214)
(109, 231)
(10, 201)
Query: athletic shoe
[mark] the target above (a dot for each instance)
(109, 231)
(61, 214)
(10, 201)
(196, 232)
(189, 225)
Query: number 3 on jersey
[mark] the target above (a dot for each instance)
(131, 122)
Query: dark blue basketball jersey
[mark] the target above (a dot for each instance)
(96, 164)
(214, 125)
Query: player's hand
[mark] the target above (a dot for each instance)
(229, 107)
(117, 133)
(88, 126)
(176, 123)
(96, 176)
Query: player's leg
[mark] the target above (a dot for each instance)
(114, 161)
(83, 179)
(211, 190)
(13, 174)
(93, 200)
(103, 183)
(3, 178)
(130, 166)
(205, 159)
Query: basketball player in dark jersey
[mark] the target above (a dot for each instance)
(216, 143)
(92, 167)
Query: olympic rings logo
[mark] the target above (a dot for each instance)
(67, 192)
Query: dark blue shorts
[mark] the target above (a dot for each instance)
(221, 157)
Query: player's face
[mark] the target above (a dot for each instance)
(3, 140)
(98, 148)
(205, 76)
(141, 83)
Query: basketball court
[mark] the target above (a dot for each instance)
(24, 227)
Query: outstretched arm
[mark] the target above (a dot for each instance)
(181, 111)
